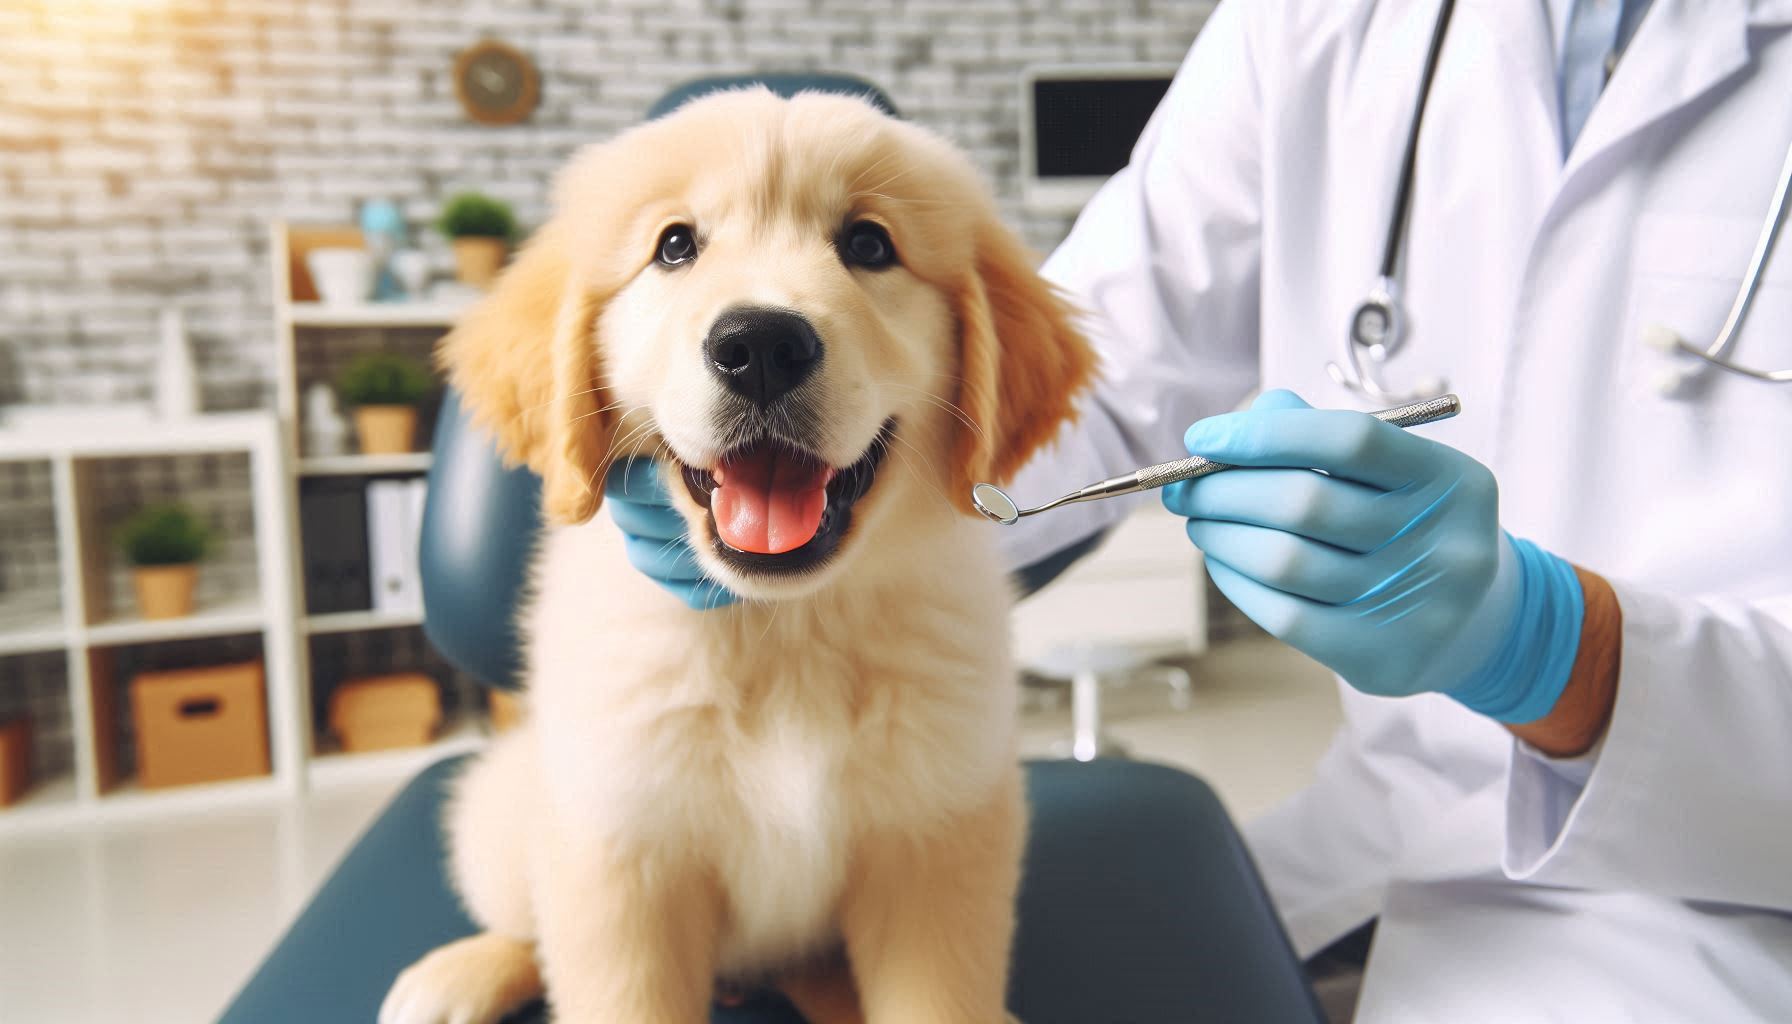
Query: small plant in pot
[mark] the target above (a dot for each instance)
(164, 544)
(385, 389)
(480, 229)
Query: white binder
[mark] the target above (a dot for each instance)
(394, 515)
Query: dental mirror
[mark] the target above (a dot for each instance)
(995, 505)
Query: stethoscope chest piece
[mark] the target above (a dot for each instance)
(1377, 324)
(1377, 329)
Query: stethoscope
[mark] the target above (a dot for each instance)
(1377, 325)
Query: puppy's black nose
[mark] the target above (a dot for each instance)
(762, 353)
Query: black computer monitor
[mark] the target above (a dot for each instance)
(1079, 124)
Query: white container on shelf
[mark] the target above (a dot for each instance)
(343, 276)
(411, 267)
(326, 431)
(177, 383)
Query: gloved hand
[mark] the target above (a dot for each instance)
(655, 535)
(1389, 567)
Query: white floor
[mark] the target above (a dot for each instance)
(161, 922)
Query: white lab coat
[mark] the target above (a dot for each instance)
(1653, 880)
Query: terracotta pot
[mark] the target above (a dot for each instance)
(386, 429)
(165, 591)
(476, 260)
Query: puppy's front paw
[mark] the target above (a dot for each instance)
(474, 981)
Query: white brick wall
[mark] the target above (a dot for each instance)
(145, 146)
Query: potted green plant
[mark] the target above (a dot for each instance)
(384, 388)
(480, 229)
(164, 544)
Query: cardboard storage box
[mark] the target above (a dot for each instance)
(15, 760)
(200, 724)
(383, 712)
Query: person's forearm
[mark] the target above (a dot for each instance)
(1585, 707)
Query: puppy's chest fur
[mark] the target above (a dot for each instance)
(764, 743)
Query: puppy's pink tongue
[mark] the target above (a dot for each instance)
(767, 501)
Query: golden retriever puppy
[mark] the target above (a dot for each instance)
(809, 313)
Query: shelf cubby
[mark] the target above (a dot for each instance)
(344, 655)
(110, 671)
(320, 354)
(31, 611)
(349, 654)
(35, 686)
(217, 487)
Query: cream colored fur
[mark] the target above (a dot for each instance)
(829, 764)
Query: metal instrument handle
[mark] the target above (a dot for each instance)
(1429, 411)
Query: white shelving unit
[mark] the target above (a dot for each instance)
(83, 624)
(309, 333)
(241, 614)
(373, 314)
(364, 465)
(90, 631)
(460, 736)
(31, 630)
(350, 622)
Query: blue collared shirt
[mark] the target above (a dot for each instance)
(1590, 36)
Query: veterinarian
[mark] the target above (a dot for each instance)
(1562, 622)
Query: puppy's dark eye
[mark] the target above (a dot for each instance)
(678, 244)
(866, 244)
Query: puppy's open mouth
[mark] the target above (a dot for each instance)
(777, 508)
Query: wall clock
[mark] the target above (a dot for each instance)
(496, 83)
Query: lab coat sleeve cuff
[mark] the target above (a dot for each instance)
(1687, 793)
(1542, 791)
(1561, 812)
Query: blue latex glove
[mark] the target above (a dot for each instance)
(1389, 567)
(655, 535)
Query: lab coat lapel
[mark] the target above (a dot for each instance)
(1682, 49)
(1521, 31)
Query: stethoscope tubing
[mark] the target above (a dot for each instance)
(1383, 301)
(1718, 353)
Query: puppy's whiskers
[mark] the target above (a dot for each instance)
(887, 182)
(925, 478)
(618, 446)
(911, 200)
(871, 168)
(566, 398)
(619, 403)
(769, 620)
(942, 404)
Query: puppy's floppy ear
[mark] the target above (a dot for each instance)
(1022, 361)
(525, 363)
